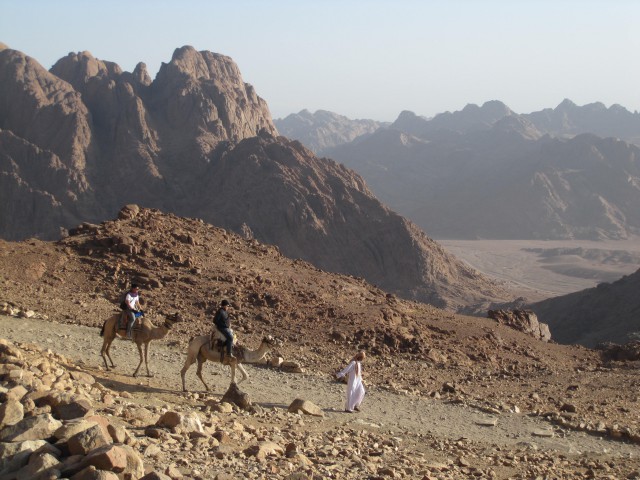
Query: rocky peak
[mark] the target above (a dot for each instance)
(204, 91)
(141, 75)
(44, 110)
(488, 113)
(78, 68)
(495, 109)
(323, 130)
(206, 65)
(189, 62)
(565, 105)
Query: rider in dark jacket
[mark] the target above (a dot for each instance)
(221, 321)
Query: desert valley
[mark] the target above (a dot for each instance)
(320, 232)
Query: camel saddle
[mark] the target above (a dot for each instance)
(124, 319)
(218, 341)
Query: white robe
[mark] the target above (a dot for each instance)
(355, 387)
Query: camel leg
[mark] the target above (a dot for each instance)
(201, 360)
(109, 354)
(135, 374)
(146, 361)
(188, 362)
(108, 335)
(104, 352)
(245, 375)
(233, 372)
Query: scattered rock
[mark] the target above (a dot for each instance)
(306, 407)
(237, 397)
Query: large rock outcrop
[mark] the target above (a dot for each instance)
(523, 320)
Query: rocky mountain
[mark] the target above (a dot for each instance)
(470, 118)
(81, 140)
(322, 129)
(468, 175)
(569, 119)
(564, 121)
(607, 313)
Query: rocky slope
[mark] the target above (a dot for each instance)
(417, 352)
(80, 141)
(607, 313)
(322, 129)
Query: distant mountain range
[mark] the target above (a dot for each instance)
(321, 130)
(83, 139)
(488, 172)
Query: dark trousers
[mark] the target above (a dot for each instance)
(229, 336)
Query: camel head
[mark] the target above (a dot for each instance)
(272, 341)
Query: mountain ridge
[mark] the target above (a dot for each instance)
(502, 179)
(198, 142)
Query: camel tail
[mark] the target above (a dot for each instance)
(102, 330)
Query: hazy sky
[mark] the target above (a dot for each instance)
(362, 58)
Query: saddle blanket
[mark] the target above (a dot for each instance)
(124, 318)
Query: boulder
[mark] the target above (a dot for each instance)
(40, 466)
(189, 422)
(156, 476)
(291, 367)
(108, 457)
(11, 412)
(82, 377)
(523, 320)
(306, 407)
(14, 456)
(263, 450)
(92, 473)
(76, 407)
(87, 440)
(129, 212)
(237, 397)
(38, 427)
(8, 349)
(69, 429)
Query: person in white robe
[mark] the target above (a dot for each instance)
(355, 387)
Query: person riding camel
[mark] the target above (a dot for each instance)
(131, 306)
(221, 322)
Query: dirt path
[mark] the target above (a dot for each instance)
(395, 413)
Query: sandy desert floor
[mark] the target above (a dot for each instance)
(538, 269)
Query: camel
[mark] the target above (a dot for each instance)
(199, 349)
(142, 335)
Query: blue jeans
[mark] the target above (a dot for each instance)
(132, 318)
(229, 336)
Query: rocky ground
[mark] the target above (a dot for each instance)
(397, 435)
(448, 396)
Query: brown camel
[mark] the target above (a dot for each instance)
(200, 349)
(142, 334)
